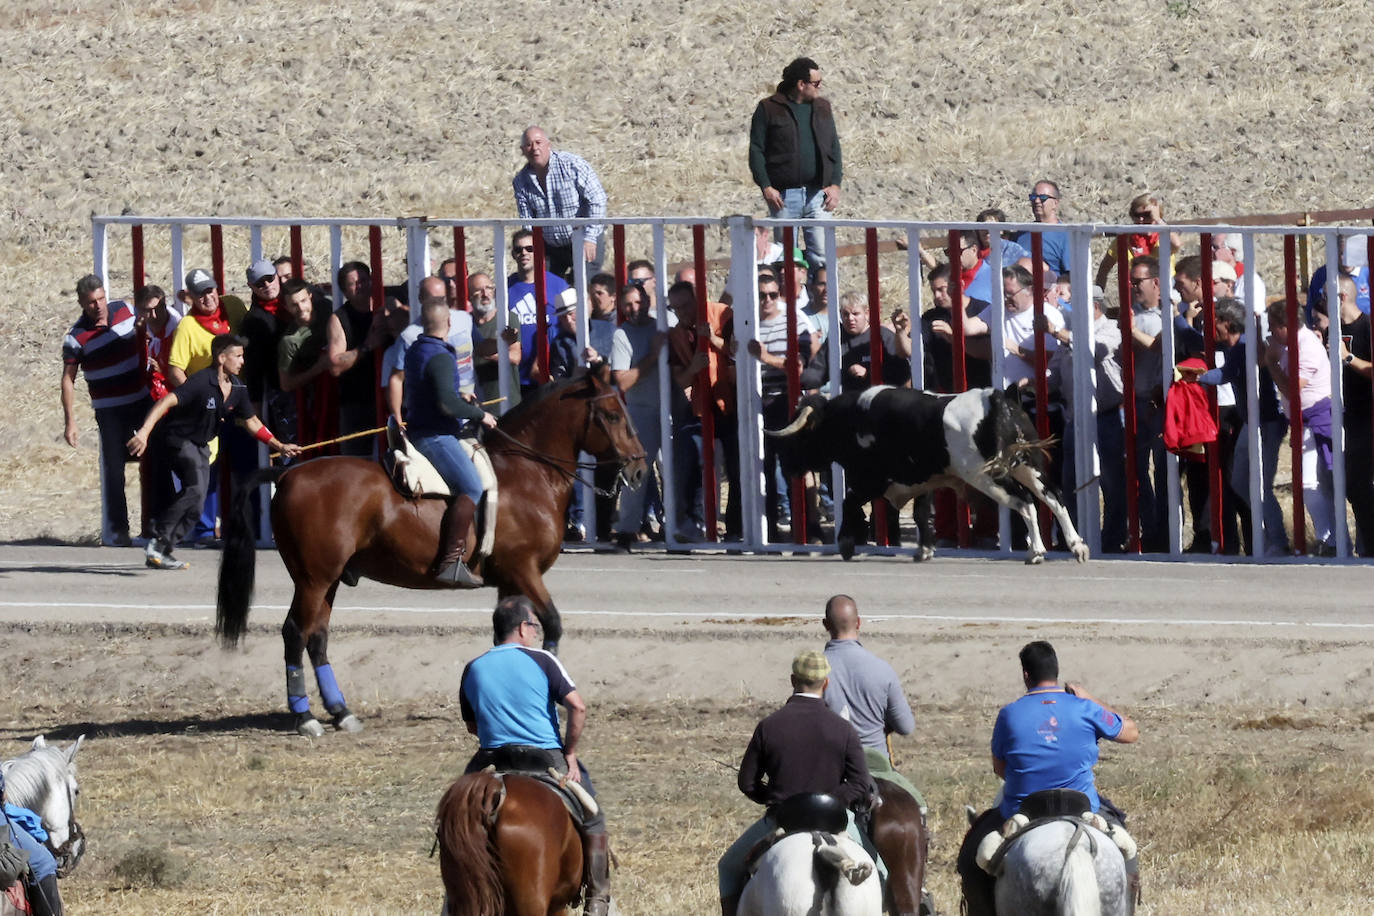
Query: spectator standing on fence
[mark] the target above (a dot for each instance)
(794, 152)
(559, 185)
(634, 369)
(1044, 205)
(1146, 211)
(521, 298)
(193, 413)
(1314, 401)
(355, 334)
(487, 350)
(104, 346)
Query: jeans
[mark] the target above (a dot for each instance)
(452, 463)
(688, 455)
(804, 203)
(116, 426)
(632, 499)
(41, 861)
(1271, 441)
(1154, 487)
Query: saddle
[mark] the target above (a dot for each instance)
(824, 817)
(1042, 808)
(534, 763)
(414, 477)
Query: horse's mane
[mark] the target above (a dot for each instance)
(34, 776)
(519, 417)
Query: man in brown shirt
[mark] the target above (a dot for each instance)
(802, 748)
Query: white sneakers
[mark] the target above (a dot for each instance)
(154, 558)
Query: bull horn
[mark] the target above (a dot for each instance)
(794, 427)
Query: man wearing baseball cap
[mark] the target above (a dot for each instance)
(803, 748)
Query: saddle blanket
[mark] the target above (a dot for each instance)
(415, 478)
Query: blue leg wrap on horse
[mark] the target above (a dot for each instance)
(296, 700)
(329, 688)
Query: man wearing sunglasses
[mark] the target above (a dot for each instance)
(507, 698)
(262, 331)
(520, 297)
(1044, 204)
(794, 152)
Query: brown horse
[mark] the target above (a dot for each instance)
(507, 847)
(337, 519)
(900, 837)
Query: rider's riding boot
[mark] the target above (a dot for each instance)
(449, 568)
(729, 905)
(1132, 889)
(46, 901)
(598, 872)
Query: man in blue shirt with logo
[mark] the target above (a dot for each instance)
(1045, 740)
(508, 698)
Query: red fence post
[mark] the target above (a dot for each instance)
(1124, 322)
(297, 254)
(956, 292)
(618, 250)
(1290, 290)
(217, 255)
(703, 394)
(460, 264)
(1042, 376)
(140, 278)
(540, 373)
(875, 366)
(797, 485)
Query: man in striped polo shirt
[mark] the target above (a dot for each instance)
(104, 346)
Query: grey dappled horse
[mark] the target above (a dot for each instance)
(1043, 874)
(798, 877)
(43, 780)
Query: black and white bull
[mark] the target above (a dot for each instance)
(901, 443)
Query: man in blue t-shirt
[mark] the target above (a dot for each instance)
(507, 697)
(520, 299)
(1044, 204)
(1045, 740)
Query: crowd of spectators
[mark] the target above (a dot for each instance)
(313, 366)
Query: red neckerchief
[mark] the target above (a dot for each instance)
(966, 276)
(1141, 244)
(269, 306)
(216, 324)
(1240, 269)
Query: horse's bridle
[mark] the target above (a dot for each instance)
(594, 414)
(69, 854)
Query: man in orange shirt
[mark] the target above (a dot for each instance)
(687, 358)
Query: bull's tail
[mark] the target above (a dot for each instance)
(468, 862)
(238, 562)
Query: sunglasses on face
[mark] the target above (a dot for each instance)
(523, 249)
(774, 295)
(265, 280)
(1041, 198)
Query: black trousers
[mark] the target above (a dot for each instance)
(116, 426)
(191, 464)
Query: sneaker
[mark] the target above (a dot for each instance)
(165, 561)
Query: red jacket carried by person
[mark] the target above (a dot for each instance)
(1188, 422)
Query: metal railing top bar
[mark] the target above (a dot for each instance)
(399, 222)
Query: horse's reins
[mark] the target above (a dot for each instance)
(558, 463)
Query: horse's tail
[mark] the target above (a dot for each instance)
(1078, 890)
(467, 860)
(238, 563)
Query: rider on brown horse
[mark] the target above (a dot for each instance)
(507, 699)
(434, 418)
(803, 748)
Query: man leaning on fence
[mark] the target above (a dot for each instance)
(560, 185)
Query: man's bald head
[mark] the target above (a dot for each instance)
(842, 617)
(433, 289)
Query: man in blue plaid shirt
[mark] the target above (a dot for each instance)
(557, 184)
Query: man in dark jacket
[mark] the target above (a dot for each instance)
(794, 152)
(800, 749)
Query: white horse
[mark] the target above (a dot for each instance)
(801, 876)
(44, 780)
(1066, 868)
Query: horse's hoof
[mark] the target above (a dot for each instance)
(1035, 559)
(1080, 551)
(847, 548)
(923, 553)
(310, 728)
(348, 723)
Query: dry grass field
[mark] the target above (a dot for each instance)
(370, 109)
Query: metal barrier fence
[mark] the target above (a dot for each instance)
(739, 241)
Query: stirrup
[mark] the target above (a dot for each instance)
(457, 573)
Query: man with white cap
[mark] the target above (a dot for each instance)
(803, 748)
